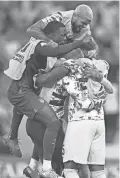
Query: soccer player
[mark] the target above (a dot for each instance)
(77, 23)
(59, 93)
(22, 94)
(85, 136)
(57, 101)
(16, 72)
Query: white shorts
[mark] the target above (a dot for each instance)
(85, 142)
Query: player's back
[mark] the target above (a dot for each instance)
(30, 65)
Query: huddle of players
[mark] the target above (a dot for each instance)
(83, 80)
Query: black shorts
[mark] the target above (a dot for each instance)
(25, 100)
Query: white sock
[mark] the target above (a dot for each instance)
(98, 174)
(33, 164)
(71, 173)
(47, 164)
(40, 166)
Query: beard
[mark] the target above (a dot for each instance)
(75, 29)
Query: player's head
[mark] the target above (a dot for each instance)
(82, 16)
(56, 31)
(75, 54)
(102, 66)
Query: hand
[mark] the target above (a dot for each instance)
(52, 43)
(92, 54)
(79, 42)
(59, 62)
(87, 38)
(91, 72)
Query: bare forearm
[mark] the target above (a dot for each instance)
(36, 31)
(107, 85)
(59, 50)
(51, 78)
(91, 45)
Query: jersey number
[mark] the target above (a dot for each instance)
(25, 47)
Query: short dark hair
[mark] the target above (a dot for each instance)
(53, 27)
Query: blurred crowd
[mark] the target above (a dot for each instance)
(17, 16)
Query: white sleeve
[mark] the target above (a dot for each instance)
(56, 16)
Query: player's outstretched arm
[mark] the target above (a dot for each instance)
(36, 31)
(107, 85)
(45, 50)
(51, 78)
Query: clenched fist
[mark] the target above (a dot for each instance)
(92, 72)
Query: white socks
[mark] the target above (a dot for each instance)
(47, 165)
(98, 174)
(35, 165)
(40, 166)
(71, 173)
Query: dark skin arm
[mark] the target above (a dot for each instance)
(50, 51)
(91, 45)
(36, 31)
(51, 78)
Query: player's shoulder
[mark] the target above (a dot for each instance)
(67, 16)
(57, 16)
(40, 45)
(67, 13)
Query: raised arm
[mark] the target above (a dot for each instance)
(37, 29)
(51, 78)
(43, 49)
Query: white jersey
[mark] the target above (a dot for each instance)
(89, 133)
(77, 86)
(17, 64)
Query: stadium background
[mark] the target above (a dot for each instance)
(15, 18)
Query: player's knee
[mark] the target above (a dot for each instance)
(96, 167)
